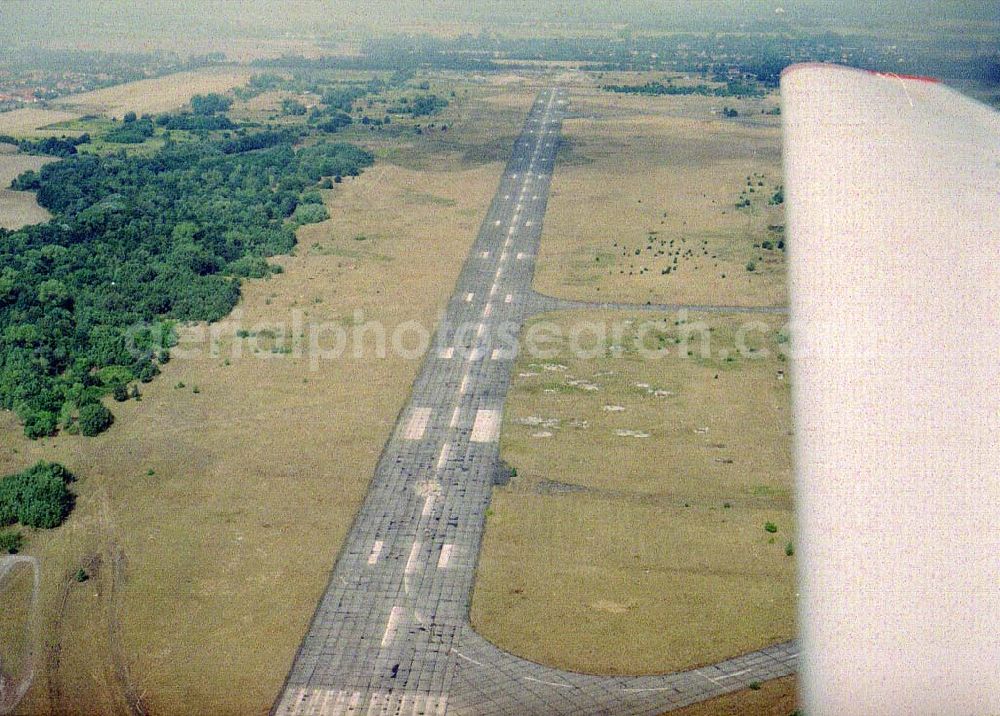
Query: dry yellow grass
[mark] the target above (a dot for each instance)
(16, 630)
(632, 539)
(160, 94)
(775, 698)
(18, 208)
(20, 122)
(644, 180)
(207, 571)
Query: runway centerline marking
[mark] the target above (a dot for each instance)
(392, 626)
(445, 557)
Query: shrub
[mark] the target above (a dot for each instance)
(789, 549)
(40, 424)
(120, 392)
(751, 266)
(310, 214)
(95, 419)
(770, 527)
(36, 497)
(10, 542)
(81, 575)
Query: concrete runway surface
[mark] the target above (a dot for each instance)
(392, 634)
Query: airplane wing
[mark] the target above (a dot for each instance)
(893, 201)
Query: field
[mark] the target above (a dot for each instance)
(775, 698)
(21, 122)
(210, 514)
(644, 196)
(633, 538)
(160, 94)
(18, 208)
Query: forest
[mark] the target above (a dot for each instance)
(142, 240)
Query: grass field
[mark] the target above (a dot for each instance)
(160, 94)
(633, 538)
(18, 208)
(644, 195)
(16, 629)
(210, 514)
(774, 698)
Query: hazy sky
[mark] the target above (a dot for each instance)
(143, 24)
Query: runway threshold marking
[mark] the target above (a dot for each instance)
(376, 552)
(418, 423)
(486, 428)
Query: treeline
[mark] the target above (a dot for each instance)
(140, 240)
(731, 89)
(50, 146)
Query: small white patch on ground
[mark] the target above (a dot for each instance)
(614, 408)
(631, 434)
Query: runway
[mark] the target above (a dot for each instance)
(391, 634)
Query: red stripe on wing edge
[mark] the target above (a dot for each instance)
(830, 65)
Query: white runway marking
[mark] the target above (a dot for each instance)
(390, 629)
(488, 310)
(465, 385)
(497, 354)
(447, 353)
(445, 451)
(454, 417)
(376, 552)
(468, 297)
(411, 562)
(497, 222)
(445, 557)
(486, 428)
(520, 256)
(508, 298)
(527, 223)
(418, 423)
(486, 254)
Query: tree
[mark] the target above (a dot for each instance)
(95, 419)
(210, 103)
(36, 497)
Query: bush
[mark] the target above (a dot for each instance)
(770, 527)
(10, 542)
(789, 549)
(310, 214)
(751, 266)
(120, 392)
(36, 497)
(40, 424)
(95, 419)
